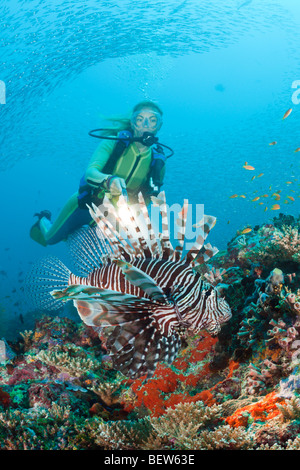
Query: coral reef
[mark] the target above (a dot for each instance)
(237, 391)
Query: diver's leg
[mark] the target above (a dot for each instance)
(69, 219)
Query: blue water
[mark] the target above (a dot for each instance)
(222, 71)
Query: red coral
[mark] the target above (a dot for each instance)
(263, 410)
(160, 392)
(4, 398)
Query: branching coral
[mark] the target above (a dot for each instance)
(182, 423)
(287, 242)
(69, 358)
(225, 438)
(177, 429)
(125, 435)
(290, 410)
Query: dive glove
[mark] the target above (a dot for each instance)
(116, 186)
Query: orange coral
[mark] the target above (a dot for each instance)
(263, 410)
(159, 392)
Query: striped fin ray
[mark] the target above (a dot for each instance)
(204, 255)
(47, 274)
(141, 354)
(206, 224)
(130, 249)
(154, 247)
(166, 245)
(181, 224)
(135, 344)
(115, 243)
(140, 279)
(104, 227)
(129, 223)
(94, 294)
(88, 249)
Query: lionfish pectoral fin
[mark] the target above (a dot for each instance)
(91, 294)
(138, 278)
(135, 342)
(111, 311)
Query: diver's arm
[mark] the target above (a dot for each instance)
(95, 178)
(93, 175)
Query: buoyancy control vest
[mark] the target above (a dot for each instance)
(151, 186)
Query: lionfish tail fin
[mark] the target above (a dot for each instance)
(45, 276)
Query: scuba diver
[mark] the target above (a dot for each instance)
(125, 163)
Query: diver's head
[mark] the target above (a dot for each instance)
(146, 117)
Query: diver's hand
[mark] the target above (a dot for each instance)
(116, 186)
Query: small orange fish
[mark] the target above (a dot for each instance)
(287, 113)
(253, 178)
(246, 230)
(289, 182)
(265, 209)
(261, 203)
(248, 167)
(275, 207)
(260, 175)
(297, 150)
(265, 195)
(243, 196)
(291, 198)
(256, 199)
(273, 143)
(233, 196)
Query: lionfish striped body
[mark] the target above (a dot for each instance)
(145, 290)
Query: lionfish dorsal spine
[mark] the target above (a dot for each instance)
(205, 255)
(153, 245)
(165, 242)
(181, 224)
(205, 226)
(115, 244)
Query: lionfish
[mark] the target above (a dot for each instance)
(140, 289)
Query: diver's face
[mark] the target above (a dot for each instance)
(145, 120)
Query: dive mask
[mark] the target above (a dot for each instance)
(146, 120)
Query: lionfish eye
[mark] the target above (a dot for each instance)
(207, 293)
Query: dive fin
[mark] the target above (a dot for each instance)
(37, 235)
